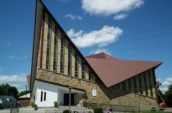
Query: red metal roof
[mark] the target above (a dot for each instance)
(113, 71)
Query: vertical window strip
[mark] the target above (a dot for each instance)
(55, 51)
(145, 83)
(62, 54)
(69, 59)
(76, 64)
(45, 96)
(135, 84)
(48, 45)
(42, 39)
(141, 87)
(153, 77)
(83, 70)
(129, 84)
(150, 82)
(89, 75)
(41, 96)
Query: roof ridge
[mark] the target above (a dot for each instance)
(102, 55)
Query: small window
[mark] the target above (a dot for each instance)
(41, 95)
(44, 96)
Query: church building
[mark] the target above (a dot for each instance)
(59, 71)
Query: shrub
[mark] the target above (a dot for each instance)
(75, 112)
(56, 104)
(90, 112)
(66, 111)
(35, 107)
(32, 103)
(98, 110)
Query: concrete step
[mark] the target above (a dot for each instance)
(60, 109)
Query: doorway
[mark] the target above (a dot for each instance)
(66, 99)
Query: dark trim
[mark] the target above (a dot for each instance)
(31, 77)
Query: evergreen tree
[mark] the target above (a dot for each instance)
(6, 89)
(168, 96)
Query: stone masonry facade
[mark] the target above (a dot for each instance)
(87, 86)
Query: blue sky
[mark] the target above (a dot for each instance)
(135, 29)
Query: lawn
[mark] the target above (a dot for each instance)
(160, 111)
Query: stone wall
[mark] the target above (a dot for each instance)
(69, 81)
(133, 100)
(87, 86)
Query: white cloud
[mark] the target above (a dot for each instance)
(120, 17)
(100, 51)
(109, 7)
(18, 80)
(73, 17)
(101, 37)
(165, 83)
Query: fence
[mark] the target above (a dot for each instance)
(117, 108)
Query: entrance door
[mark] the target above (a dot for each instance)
(66, 99)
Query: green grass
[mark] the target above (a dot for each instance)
(160, 111)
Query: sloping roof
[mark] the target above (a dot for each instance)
(113, 71)
(25, 96)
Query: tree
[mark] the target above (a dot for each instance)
(23, 93)
(168, 96)
(6, 89)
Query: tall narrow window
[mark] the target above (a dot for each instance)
(45, 96)
(41, 96)
(140, 84)
(135, 84)
(48, 45)
(129, 84)
(62, 54)
(89, 75)
(83, 70)
(55, 51)
(153, 77)
(69, 59)
(76, 64)
(145, 83)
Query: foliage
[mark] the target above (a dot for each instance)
(23, 93)
(56, 104)
(168, 96)
(32, 103)
(75, 112)
(66, 111)
(90, 112)
(158, 96)
(98, 110)
(35, 107)
(6, 89)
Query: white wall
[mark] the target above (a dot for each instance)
(53, 93)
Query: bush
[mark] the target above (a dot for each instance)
(90, 112)
(56, 104)
(98, 110)
(32, 103)
(66, 111)
(35, 107)
(75, 112)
